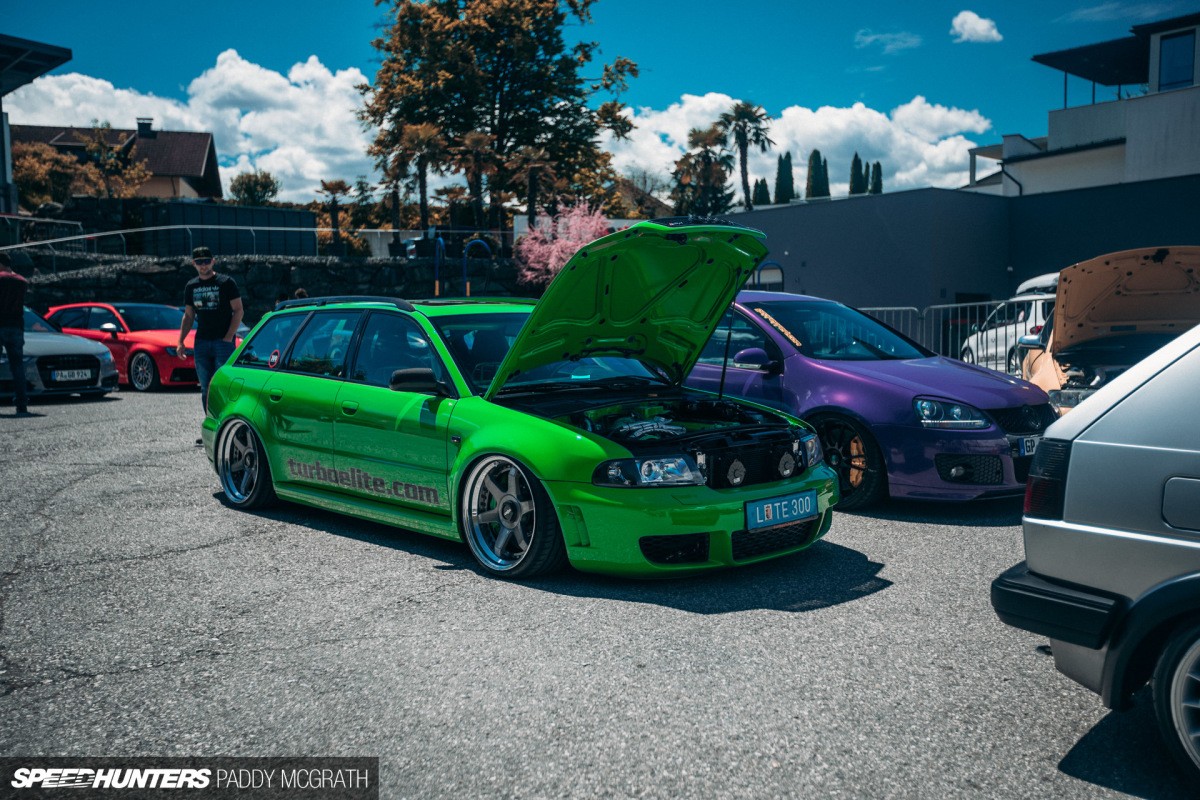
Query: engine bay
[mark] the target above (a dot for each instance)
(658, 420)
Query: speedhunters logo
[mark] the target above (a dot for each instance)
(322, 778)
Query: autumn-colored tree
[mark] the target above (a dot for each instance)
(500, 68)
(424, 147)
(746, 124)
(701, 176)
(42, 174)
(254, 188)
(531, 166)
(117, 172)
(545, 249)
(334, 190)
(473, 156)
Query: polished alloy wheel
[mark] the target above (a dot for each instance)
(499, 513)
(1185, 702)
(239, 462)
(142, 374)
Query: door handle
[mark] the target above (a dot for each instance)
(349, 408)
(276, 394)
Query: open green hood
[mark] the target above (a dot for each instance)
(655, 293)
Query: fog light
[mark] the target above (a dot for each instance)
(787, 465)
(737, 473)
(958, 472)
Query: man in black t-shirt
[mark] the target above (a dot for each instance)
(12, 329)
(214, 302)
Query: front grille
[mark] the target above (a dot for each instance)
(752, 544)
(982, 470)
(759, 458)
(688, 548)
(1024, 420)
(47, 364)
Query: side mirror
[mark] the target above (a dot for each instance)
(974, 327)
(753, 358)
(1030, 341)
(420, 380)
(111, 329)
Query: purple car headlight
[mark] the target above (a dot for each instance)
(948, 415)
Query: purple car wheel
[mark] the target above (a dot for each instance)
(851, 452)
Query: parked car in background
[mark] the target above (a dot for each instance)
(994, 342)
(894, 418)
(142, 338)
(1112, 544)
(57, 363)
(539, 435)
(1115, 310)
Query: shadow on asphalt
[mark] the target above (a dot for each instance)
(824, 575)
(982, 513)
(1123, 752)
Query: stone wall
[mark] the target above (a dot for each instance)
(263, 280)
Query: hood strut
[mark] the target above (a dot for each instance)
(725, 361)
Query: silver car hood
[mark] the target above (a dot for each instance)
(39, 343)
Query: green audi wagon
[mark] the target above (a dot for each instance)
(540, 434)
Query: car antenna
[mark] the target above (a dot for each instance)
(725, 361)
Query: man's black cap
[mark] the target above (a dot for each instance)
(201, 252)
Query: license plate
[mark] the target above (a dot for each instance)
(1029, 444)
(781, 510)
(70, 374)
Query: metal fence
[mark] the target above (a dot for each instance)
(31, 230)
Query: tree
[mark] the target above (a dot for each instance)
(785, 184)
(702, 174)
(817, 184)
(423, 146)
(747, 124)
(503, 69)
(762, 194)
(254, 188)
(545, 249)
(115, 170)
(876, 179)
(334, 190)
(474, 156)
(857, 184)
(364, 203)
(42, 174)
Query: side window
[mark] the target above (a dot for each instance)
(391, 342)
(71, 318)
(101, 316)
(745, 334)
(323, 344)
(270, 341)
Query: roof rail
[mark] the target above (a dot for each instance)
(494, 299)
(398, 302)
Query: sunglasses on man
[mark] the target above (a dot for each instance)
(202, 262)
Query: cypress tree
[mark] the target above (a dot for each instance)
(780, 192)
(856, 184)
(812, 186)
(824, 178)
(876, 179)
(762, 194)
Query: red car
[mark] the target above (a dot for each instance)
(141, 336)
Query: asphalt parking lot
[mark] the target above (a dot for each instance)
(141, 616)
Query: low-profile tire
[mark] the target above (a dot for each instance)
(967, 355)
(242, 466)
(143, 372)
(1176, 690)
(508, 521)
(1014, 365)
(852, 453)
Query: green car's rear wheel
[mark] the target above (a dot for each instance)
(508, 521)
(242, 466)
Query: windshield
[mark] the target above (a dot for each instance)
(35, 324)
(831, 331)
(479, 342)
(151, 318)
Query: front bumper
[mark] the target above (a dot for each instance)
(38, 382)
(920, 462)
(631, 531)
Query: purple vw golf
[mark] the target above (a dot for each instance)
(894, 418)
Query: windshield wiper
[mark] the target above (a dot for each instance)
(612, 382)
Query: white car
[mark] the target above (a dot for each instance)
(994, 343)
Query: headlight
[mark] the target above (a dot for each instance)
(944, 414)
(659, 471)
(105, 357)
(813, 454)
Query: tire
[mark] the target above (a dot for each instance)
(1014, 366)
(852, 453)
(242, 466)
(1176, 690)
(967, 355)
(143, 374)
(499, 490)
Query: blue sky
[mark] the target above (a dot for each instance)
(240, 68)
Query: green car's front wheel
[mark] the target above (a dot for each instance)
(242, 466)
(508, 521)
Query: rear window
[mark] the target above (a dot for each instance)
(271, 339)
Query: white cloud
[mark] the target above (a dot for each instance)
(891, 42)
(918, 143)
(300, 127)
(967, 26)
(1109, 12)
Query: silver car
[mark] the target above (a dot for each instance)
(1112, 543)
(56, 363)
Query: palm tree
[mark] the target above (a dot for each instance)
(474, 156)
(530, 165)
(747, 124)
(701, 174)
(334, 190)
(424, 147)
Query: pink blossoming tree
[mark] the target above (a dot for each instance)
(543, 251)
